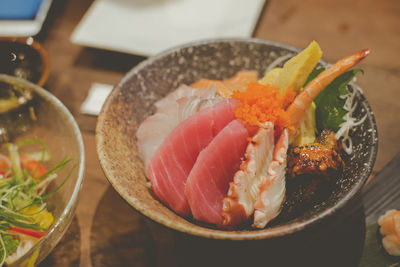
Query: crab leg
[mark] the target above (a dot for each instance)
(272, 186)
(243, 192)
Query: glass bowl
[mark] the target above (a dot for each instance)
(55, 126)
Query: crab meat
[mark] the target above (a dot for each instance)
(243, 191)
(272, 186)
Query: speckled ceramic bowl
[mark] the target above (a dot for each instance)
(133, 99)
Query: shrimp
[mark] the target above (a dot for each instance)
(260, 189)
(390, 230)
(303, 100)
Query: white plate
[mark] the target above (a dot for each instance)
(26, 28)
(146, 27)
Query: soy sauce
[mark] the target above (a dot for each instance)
(20, 60)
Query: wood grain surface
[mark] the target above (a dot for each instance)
(341, 27)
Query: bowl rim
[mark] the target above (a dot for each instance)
(200, 231)
(31, 42)
(70, 207)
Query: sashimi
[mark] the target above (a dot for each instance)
(272, 187)
(171, 164)
(225, 88)
(215, 158)
(208, 182)
(171, 110)
(243, 192)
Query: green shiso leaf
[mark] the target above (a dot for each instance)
(330, 112)
(314, 73)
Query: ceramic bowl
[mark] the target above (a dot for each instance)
(53, 124)
(133, 99)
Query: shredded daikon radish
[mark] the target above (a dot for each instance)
(349, 122)
(350, 105)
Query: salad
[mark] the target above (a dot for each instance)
(25, 194)
(222, 152)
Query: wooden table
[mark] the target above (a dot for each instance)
(341, 27)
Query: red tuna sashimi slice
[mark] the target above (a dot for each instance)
(208, 182)
(171, 164)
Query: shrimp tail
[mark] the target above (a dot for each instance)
(303, 100)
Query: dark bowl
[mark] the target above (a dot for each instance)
(24, 58)
(133, 99)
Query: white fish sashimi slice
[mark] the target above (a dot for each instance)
(171, 110)
(243, 192)
(272, 187)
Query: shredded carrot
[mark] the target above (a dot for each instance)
(263, 103)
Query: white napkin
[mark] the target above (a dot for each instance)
(147, 27)
(98, 93)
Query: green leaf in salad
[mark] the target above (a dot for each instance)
(330, 103)
(10, 243)
(22, 190)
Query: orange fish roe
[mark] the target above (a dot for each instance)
(263, 103)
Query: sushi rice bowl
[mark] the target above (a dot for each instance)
(138, 96)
